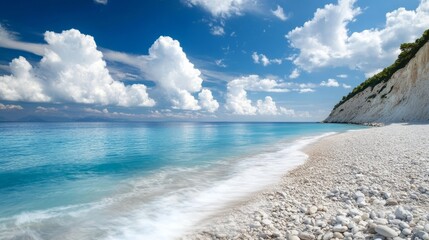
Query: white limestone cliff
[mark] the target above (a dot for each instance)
(403, 98)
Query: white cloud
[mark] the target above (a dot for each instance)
(295, 74)
(238, 103)
(22, 85)
(207, 102)
(330, 83)
(267, 106)
(342, 76)
(346, 86)
(176, 77)
(306, 90)
(167, 65)
(220, 63)
(41, 109)
(287, 112)
(326, 40)
(279, 13)
(222, 8)
(71, 70)
(264, 60)
(10, 107)
(217, 31)
(96, 111)
(9, 40)
(104, 2)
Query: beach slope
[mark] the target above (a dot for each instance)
(355, 185)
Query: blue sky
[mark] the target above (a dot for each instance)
(208, 60)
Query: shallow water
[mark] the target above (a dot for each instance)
(137, 180)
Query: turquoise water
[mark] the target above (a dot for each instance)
(137, 180)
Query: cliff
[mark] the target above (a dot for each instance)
(404, 97)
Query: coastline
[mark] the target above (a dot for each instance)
(355, 185)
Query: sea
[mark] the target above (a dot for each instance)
(138, 180)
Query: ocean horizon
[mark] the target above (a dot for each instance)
(138, 180)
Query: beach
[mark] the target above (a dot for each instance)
(366, 184)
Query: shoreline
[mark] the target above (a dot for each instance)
(353, 185)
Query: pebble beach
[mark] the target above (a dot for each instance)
(366, 184)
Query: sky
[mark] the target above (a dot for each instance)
(194, 60)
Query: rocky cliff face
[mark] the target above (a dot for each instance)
(403, 98)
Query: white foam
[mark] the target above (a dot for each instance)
(175, 214)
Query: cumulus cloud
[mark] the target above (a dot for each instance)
(330, 83)
(279, 13)
(22, 85)
(326, 40)
(237, 101)
(294, 74)
(207, 101)
(264, 60)
(71, 70)
(222, 8)
(175, 76)
(10, 107)
(287, 112)
(267, 106)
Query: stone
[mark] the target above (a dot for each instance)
(359, 194)
(354, 212)
(361, 201)
(328, 236)
(306, 236)
(421, 235)
(339, 228)
(404, 225)
(385, 195)
(266, 222)
(391, 202)
(293, 237)
(311, 210)
(359, 235)
(385, 231)
(381, 221)
(321, 223)
(255, 224)
(338, 235)
(342, 220)
(406, 231)
(365, 216)
(403, 214)
(356, 219)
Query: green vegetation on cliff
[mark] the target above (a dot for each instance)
(408, 51)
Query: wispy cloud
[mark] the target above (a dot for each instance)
(10, 40)
(279, 13)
